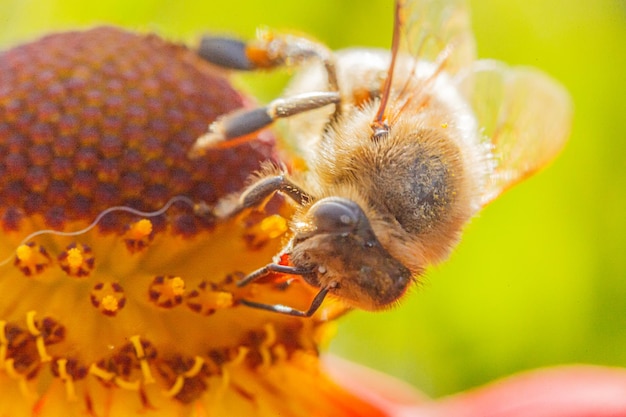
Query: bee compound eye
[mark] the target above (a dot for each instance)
(336, 215)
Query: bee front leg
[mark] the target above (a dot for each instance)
(280, 308)
(290, 311)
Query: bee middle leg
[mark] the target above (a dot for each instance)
(258, 193)
(233, 128)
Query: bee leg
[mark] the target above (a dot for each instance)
(279, 308)
(268, 269)
(258, 193)
(236, 127)
(290, 311)
(268, 51)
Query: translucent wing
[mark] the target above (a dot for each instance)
(432, 27)
(525, 115)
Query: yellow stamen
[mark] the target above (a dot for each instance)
(196, 368)
(39, 342)
(180, 379)
(131, 386)
(30, 323)
(270, 339)
(143, 362)
(69, 381)
(280, 353)
(110, 376)
(224, 384)
(41, 349)
(4, 342)
(175, 389)
(242, 352)
(12, 373)
(101, 373)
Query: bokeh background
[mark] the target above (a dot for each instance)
(540, 277)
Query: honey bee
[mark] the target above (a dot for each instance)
(403, 148)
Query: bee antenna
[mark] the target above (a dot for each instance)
(379, 126)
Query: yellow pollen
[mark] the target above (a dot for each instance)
(267, 229)
(444, 125)
(222, 299)
(24, 253)
(273, 226)
(74, 257)
(177, 285)
(140, 229)
(110, 303)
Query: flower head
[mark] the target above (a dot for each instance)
(117, 292)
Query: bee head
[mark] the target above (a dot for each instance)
(338, 243)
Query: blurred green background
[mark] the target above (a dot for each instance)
(540, 277)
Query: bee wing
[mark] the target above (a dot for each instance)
(525, 117)
(431, 28)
